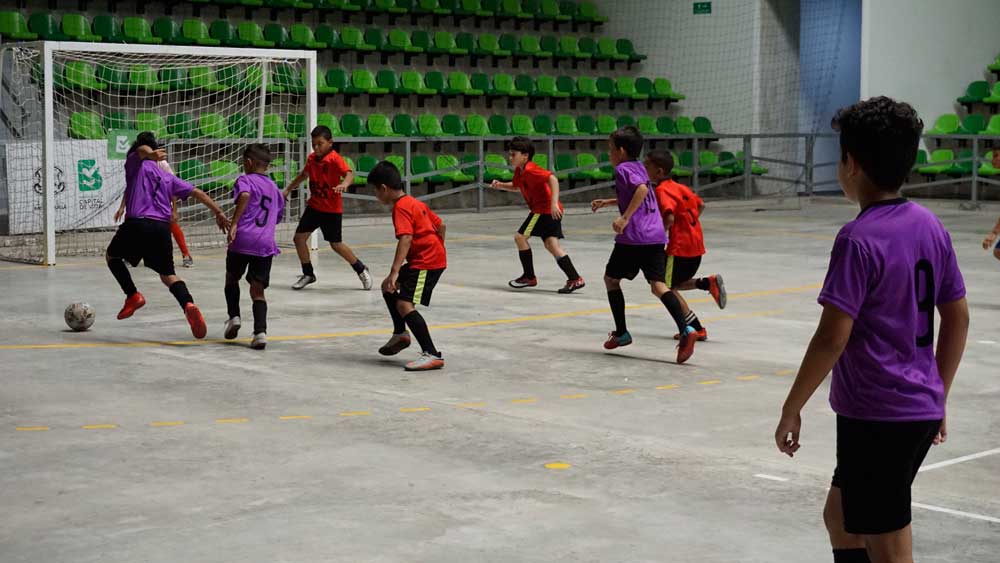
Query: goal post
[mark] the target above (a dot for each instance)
(69, 111)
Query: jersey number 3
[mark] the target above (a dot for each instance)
(924, 276)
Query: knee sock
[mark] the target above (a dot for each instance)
(702, 284)
(175, 228)
(120, 271)
(259, 316)
(232, 291)
(851, 556)
(566, 265)
(617, 301)
(692, 319)
(527, 264)
(398, 326)
(181, 294)
(358, 266)
(673, 306)
(419, 329)
(307, 269)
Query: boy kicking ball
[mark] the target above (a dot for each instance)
(416, 268)
(890, 269)
(540, 189)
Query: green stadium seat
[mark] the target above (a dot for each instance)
(223, 174)
(499, 125)
(366, 163)
(683, 164)
(987, 168)
(666, 126)
(337, 78)
(428, 125)
(606, 125)
(379, 125)
(994, 97)
(412, 83)
(921, 159)
(242, 125)
(386, 79)
(363, 82)
(445, 161)
(330, 121)
(252, 34)
(196, 31)
(587, 12)
(522, 125)
(213, 126)
(343, 5)
(467, 41)
(947, 124)
(546, 86)
(481, 81)
(934, 167)
(608, 50)
(274, 127)
(421, 164)
(662, 89)
(296, 124)
(708, 165)
(435, 81)
(566, 85)
(995, 65)
(277, 34)
(541, 159)
(170, 32)
(755, 169)
(421, 39)
(459, 85)
(353, 126)
(496, 168)
(453, 125)
(588, 45)
(565, 161)
(489, 45)
(476, 126)
(404, 126)
(646, 125)
(137, 30)
(526, 83)
(685, 126)
(975, 93)
(143, 77)
(226, 34)
(399, 42)
(569, 47)
(376, 38)
(389, 7)
(531, 46)
(359, 179)
(473, 8)
(625, 89)
(205, 78)
(118, 120)
(724, 166)
(598, 173)
(181, 126)
(510, 43)
(323, 86)
(77, 28)
(626, 121)
(552, 10)
(569, 9)
(513, 9)
(703, 126)
(606, 86)
(277, 170)
(644, 85)
(625, 47)
(586, 125)
(109, 27)
(972, 125)
(285, 79)
(432, 7)
(192, 170)
(543, 125)
(993, 127)
(960, 169)
(46, 25)
(505, 85)
(566, 125)
(587, 85)
(328, 35)
(149, 121)
(444, 43)
(82, 76)
(175, 78)
(14, 27)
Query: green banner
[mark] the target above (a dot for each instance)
(702, 8)
(119, 140)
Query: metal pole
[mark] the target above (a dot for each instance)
(482, 169)
(747, 169)
(263, 100)
(552, 155)
(810, 162)
(975, 172)
(48, 157)
(696, 165)
(409, 167)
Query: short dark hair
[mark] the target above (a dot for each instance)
(385, 173)
(322, 131)
(630, 139)
(663, 159)
(258, 153)
(882, 135)
(146, 138)
(522, 145)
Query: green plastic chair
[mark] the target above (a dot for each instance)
(118, 120)
(466, 41)
(504, 85)
(666, 126)
(444, 43)
(243, 125)
(597, 173)
(685, 126)
(412, 83)
(608, 50)
(379, 125)
(175, 78)
(143, 77)
(428, 125)
(453, 125)
(546, 86)
(366, 163)
(421, 39)
(114, 76)
(644, 85)
(569, 47)
(337, 78)
(353, 126)
(430, 7)
(322, 86)
(975, 93)
(647, 125)
(303, 35)
(543, 125)
(625, 88)
(531, 46)
(587, 85)
(724, 166)
(14, 27)
(587, 12)
(46, 25)
(404, 126)
(388, 7)
(566, 125)
(542, 160)
(606, 86)
(352, 39)
(481, 81)
(513, 9)
(499, 125)
(987, 168)
(606, 125)
(137, 30)
(328, 35)
(213, 126)
(755, 169)
(274, 127)
(223, 174)
(82, 76)
(399, 42)
(994, 97)
(376, 38)
(205, 78)
(960, 169)
(179, 125)
(995, 65)
(947, 124)
(567, 86)
(386, 79)
(285, 79)
(522, 125)
(626, 121)
(664, 90)
(170, 31)
(109, 27)
(489, 45)
(435, 81)
(973, 125)
(296, 125)
(683, 164)
(496, 168)
(993, 127)
(86, 125)
(626, 48)
(459, 84)
(421, 164)
(444, 161)
(586, 125)
(330, 121)
(552, 10)
(363, 81)
(473, 8)
(226, 33)
(510, 44)
(565, 161)
(77, 28)
(149, 121)
(708, 165)
(526, 83)
(192, 170)
(278, 34)
(476, 126)
(196, 31)
(940, 155)
(703, 126)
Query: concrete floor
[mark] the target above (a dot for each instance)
(130, 443)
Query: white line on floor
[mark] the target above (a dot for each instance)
(771, 477)
(986, 341)
(956, 512)
(964, 458)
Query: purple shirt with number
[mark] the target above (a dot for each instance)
(889, 269)
(646, 225)
(255, 230)
(149, 190)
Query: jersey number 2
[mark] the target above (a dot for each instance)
(925, 304)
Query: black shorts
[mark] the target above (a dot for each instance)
(680, 269)
(876, 465)
(330, 223)
(628, 259)
(258, 268)
(145, 240)
(416, 286)
(542, 226)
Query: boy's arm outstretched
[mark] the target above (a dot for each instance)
(599, 203)
(220, 218)
(294, 184)
(345, 183)
(992, 237)
(505, 186)
(953, 332)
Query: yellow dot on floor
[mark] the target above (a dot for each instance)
(557, 465)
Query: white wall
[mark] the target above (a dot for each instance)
(926, 52)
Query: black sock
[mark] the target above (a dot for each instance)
(398, 327)
(851, 556)
(181, 294)
(692, 319)
(617, 300)
(232, 291)
(120, 271)
(307, 269)
(419, 329)
(527, 263)
(259, 316)
(566, 265)
(673, 305)
(702, 284)
(358, 266)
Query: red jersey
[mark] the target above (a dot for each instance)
(686, 238)
(533, 181)
(412, 217)
(325, 174)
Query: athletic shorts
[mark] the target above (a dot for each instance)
(627, 260)
(145, 240)
(416, 286)
(542, 226)
(876, 465)
(680, 269)
(330, 223)
(257, 268)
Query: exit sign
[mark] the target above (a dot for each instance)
(702, 8)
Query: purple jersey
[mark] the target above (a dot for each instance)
(255, 230)
(149, 190)
(889, 268)
(646, 225)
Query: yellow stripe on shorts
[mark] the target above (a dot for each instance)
(418, 293)
(670, 271)
(531, 224)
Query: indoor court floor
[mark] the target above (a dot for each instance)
(131, 442)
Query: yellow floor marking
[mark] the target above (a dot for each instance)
(232, 420)
(667, 387)
(470, 405)
(356, 413)
(784, 372)
(623, 391)
(99, 426)
(710, 382)
(165, 423)
(525, 401)
(295, 417)
(557, 465)
(31, 428)
(576, 396)
(415, 409)
(748, 377)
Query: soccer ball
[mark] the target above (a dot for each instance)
(79, 316)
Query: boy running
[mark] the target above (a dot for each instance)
(175, 225)
(328, 176)
(416, 268)
(992, 237)
(145, 234)
(259, 205)
(540, 189)
(681, 209)
(889, 270)
(640, 242)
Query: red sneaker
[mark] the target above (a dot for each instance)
(523, 282)
(615, 341)
(686, 347)
(572, 285)
(702, 335)
(718, 290)
(197, 322)
(132, 304)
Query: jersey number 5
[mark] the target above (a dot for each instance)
(924, 275)
(265, 211)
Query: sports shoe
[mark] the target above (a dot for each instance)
(232, 328)
(426, 362)
(259, 341)
(702, 335)
(614, 341)
(304, 280)
(718, 290)
(396, 344)
(366, 279)
(523, 282)
(187, 262)
(572, 285)
(197, 322)
(132, 304)
(686, 347)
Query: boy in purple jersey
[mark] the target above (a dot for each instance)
(259, 204)
(640, 242)
(889, 270)
(145, 234)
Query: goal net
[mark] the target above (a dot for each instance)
(63, 152)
